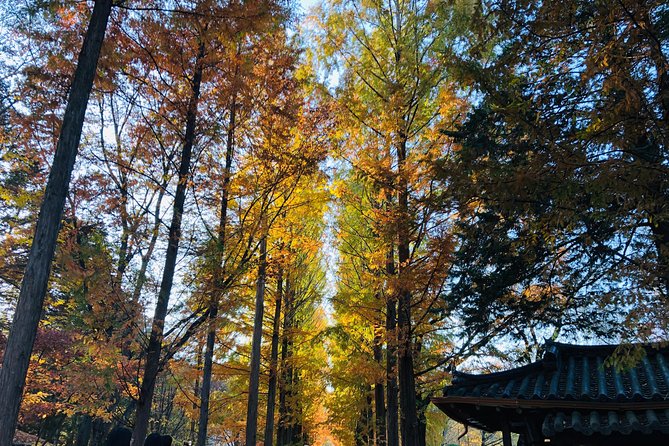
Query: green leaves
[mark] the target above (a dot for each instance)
(562, 166)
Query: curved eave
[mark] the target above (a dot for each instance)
(445, 402)
(464, 379)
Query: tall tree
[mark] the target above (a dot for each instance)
(392, 423)
(300, 384)
(154, 347)
(219, 276)
(33, 290)
(254, 381)
(264, 64)
(274, 361)
(392, 93)
(204, 43)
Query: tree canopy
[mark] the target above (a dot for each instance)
(261, 222)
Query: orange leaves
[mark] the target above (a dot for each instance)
(62, 379)
(70, 16)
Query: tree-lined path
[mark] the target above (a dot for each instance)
(244, 221)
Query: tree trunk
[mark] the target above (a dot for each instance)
(422, 428)
(196, 393)
(155, 232)
(274, 359)
(100, 431)
(408, 416)
(36, 275)
(218, 277)
(84, 430)
(363, 431)
(154, 347)
(422, 402)
(379, 403)
(205, 390)
(254, 381)
(283, 434)
(370, 415)
(123, 257)
(295, 426)
(392, 424)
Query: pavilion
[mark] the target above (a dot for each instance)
(571, 396)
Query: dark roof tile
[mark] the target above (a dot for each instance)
(606, 422)
(568, 372)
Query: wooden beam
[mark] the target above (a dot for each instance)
(509, 403)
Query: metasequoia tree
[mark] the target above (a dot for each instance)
(33, 290)
(256, 340)
(291, 128)
(294, 265)
(218, 276)
(359, 361)
(302, 328)
(84, 301)
(272, 148)
(392, 95)
(253, 53)
(278, 192)
(191, 34)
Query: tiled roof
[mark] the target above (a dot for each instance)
(569, 372)
(571, 389)
(607, 422)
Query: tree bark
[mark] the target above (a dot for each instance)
(205, 391)
(203, 421)
(408, 416)
(100, 432)
(254, 381)
(274, 359)
(392, 423)
(192, 437)
(379, 402)
(422, 402)
(363, 431)
(295, 429)
(369, 434)
(155, 232)
(84, 430)
(285, 383)
(422, 428)
(154, 347)
(36, 276)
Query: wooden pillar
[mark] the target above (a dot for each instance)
(506, 434)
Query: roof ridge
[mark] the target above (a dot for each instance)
(660, 345)
(459, 376)
(554, 353)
